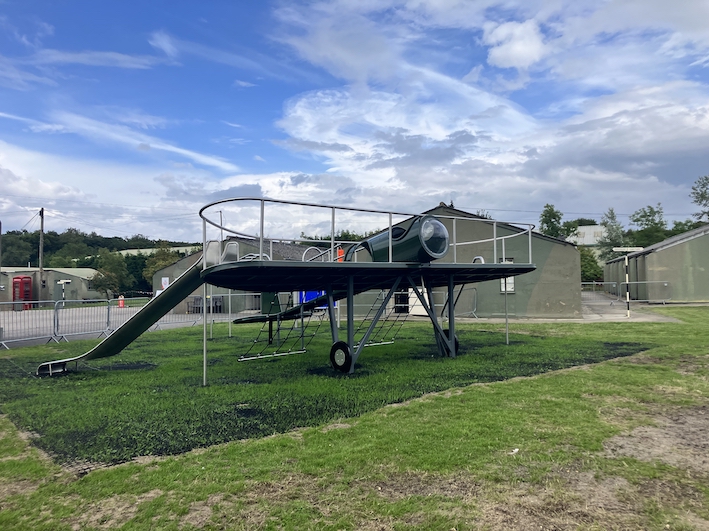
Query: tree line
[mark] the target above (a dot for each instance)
(127, 275)
(648, 227)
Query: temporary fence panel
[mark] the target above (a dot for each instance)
(26, 320)
(80, 318)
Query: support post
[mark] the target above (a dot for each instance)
(204, 334)
(627, 287)
(350, 316)
(331, 314)
(451, 316)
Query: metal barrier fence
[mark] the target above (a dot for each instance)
(61, 320)
(26, 320)
(599, 292)
(652, 291)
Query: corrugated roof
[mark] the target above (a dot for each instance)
(80, 272)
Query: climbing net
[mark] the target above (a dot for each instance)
(390, 322)
(281, 337)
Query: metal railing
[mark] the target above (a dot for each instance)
(651, 291)
(253, 225)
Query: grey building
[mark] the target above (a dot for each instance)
(676, 269)
(47, 285)
(553, 290)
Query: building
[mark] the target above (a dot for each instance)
(553, 290)
(676, 269)
(588, 235)
(47, 285)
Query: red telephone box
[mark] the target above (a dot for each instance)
(22, 291)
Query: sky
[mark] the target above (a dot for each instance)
(126, 118)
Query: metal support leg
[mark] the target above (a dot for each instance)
(451, 318)
(331, 315)
(350, 317)
(437, 330)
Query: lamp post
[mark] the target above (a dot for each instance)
(63, 284)
(627, 277)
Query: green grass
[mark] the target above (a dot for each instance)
(439, 462)
(150, 400)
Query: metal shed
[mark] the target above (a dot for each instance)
(676, 269)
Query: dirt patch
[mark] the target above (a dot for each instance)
(200, 513)
(680, 439)
(404, 485)
(336, 426)
(584, 502)
(13, 488)
(112, 512)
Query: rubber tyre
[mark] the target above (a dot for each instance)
(340, 357)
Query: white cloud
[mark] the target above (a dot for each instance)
(162, 41)
(93, 58)
(514, 44)
(243, 84)
(13, 77)
(96, 130)
(250, 60)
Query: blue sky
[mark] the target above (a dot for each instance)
(127, 117)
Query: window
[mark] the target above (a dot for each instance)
(508, 282)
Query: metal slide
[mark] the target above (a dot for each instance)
(138, 323)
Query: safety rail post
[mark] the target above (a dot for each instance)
(455, 241)
(494, 242)
(262, 222)
(55, 332)
(391, 243)
(529, 239)
(332, 235)
(204, 244)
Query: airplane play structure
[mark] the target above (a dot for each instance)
(413, 253)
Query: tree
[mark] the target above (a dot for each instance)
(612, 237)
(112, 275)
(591, 271)
(162, 257)
(136, 264)
(550, 222)
(15, 250)
(73, 254)
(652, 225)
(584, 222)
(551, 225)
(679, 227)
(700, 197)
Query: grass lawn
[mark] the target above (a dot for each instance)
(499, 438)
